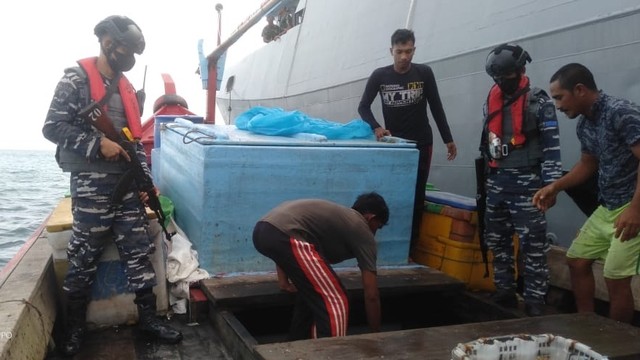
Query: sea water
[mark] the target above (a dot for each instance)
(31, 185)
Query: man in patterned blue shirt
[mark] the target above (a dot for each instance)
(609, 132)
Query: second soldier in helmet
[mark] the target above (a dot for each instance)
(521, 144)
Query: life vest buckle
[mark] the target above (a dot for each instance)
(505, 150)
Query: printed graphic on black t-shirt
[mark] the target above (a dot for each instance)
(404, 99)
(396, 95)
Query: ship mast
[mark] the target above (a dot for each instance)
(215, 55)
(412, 10)
(219, 10)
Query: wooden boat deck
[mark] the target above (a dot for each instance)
(122, 342)
(262, 290)
(613, 339)
(225, 337)
(561, 278)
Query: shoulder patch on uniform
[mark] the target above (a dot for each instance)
(540, 94)
(549, 111)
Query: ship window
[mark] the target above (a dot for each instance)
(297, 17)
(230, 82)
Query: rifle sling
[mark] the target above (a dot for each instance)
(123, 186)
(511, 100)
(111, 89)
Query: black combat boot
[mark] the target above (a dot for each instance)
(505, 298)
(150, 324)
(76, 325)
(533, 308)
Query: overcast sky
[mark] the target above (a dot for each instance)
(41, 38)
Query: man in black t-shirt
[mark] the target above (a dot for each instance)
(405, 89)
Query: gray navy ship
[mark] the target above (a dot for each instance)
(320, 66)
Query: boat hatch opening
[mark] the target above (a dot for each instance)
(416, 297)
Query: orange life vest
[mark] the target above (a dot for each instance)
(127, 93)
(518, 108)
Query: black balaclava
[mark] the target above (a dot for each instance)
(509, 86)
(117, 61)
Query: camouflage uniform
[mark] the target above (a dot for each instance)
(96, 218)
(608, 137)
(509, 208)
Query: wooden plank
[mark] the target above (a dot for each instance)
(235, 338)
(613, 339)
(201, 341)
(28, 308)
(61, 218)
(262, 289)
(560, 277)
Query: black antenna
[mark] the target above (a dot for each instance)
(230, 81)
(140, 94)
(144, 77)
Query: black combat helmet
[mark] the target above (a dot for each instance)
(506, 59)
(123, 31)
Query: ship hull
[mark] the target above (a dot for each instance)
(321, 66)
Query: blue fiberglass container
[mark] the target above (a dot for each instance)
(159, 120)
(222, 187)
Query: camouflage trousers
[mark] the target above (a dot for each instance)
(510, 210)
(96, 221)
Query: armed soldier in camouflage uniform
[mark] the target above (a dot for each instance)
(522, 146)
(609, 132)
(97, 165)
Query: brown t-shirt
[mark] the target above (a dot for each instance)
(340, 232)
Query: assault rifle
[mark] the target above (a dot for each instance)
(481, 207)
(95, 115)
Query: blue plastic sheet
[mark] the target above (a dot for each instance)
(276, 121)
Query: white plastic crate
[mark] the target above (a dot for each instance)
(524, 347)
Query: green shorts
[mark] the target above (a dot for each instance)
(596, 240)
